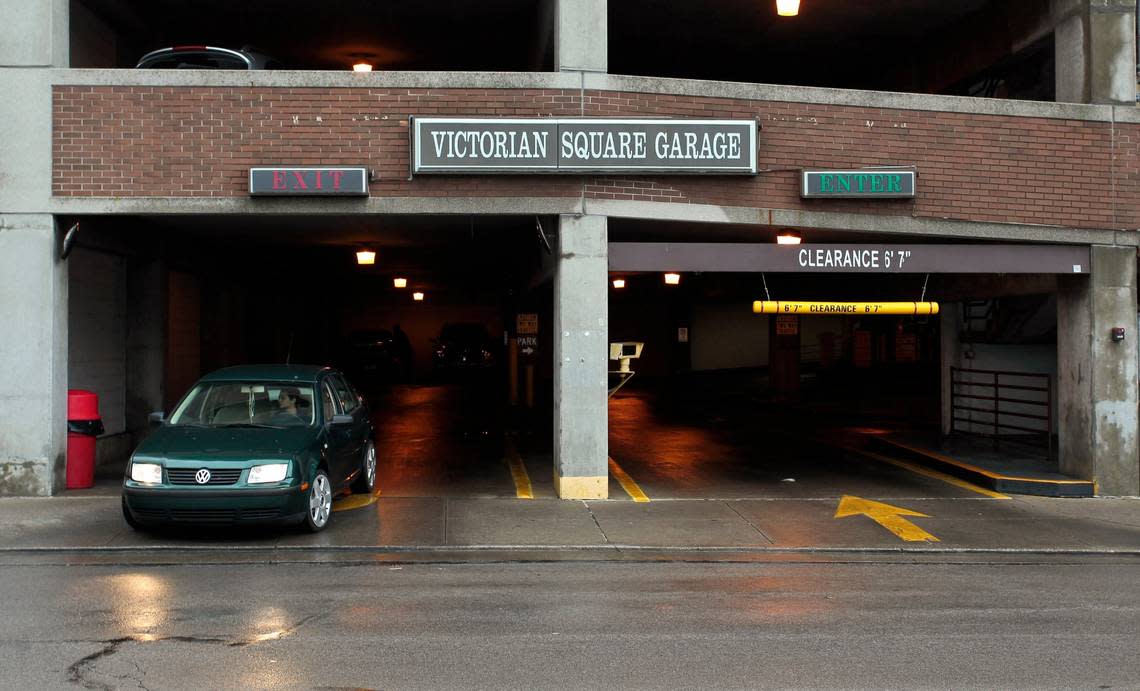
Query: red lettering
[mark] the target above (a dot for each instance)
(336, 178)
(278, 179)
(300, 180)
(318, 185)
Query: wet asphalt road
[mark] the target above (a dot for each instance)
(772, 624)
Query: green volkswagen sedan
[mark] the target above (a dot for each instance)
(257, 443)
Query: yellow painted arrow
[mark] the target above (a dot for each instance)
(890, 517)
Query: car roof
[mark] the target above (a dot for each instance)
(298, 373)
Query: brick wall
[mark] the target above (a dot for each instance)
(117, 141)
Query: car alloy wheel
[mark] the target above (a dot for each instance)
(320, 502)
(366, 481)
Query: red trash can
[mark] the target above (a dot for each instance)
(83, 425)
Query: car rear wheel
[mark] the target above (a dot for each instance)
(366, 480)
(320, 503)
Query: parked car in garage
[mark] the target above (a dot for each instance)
(199, 57)
(463, 347)
(257, 443)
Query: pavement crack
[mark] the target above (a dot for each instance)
(274, 635)
(77, 672)
(754, 526)
(599, 525)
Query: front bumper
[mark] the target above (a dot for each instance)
(154, 505)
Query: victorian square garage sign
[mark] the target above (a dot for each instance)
(582, 145)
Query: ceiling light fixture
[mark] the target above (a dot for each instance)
(789, 237)
(787, 8)
(365, 257)
(619, 283)
(362, 67)
(400, 282)
(672, 279)
(418, 297)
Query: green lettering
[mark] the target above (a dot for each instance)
(825, 184)
(894, 183)
(876, 183)
(844, 183)
(862, 182)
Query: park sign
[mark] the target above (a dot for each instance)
(868, 183)
(582, 146)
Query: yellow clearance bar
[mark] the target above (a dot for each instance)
(854, 309)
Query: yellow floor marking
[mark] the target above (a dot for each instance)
(627, 483)
(356, 501)
(983, 471)
(523, 490)
(890, 517)
(949, 479)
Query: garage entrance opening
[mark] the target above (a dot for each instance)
(727, 402)
(422, 323)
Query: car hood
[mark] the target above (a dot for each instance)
(175, 443)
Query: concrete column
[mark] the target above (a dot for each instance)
(580, 38)
(1095, 43)
(33, 348)
(581, 359)
(950, 352)
(1097, 377)
(33, 282)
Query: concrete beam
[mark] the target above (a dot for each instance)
(663, 211)
(580, 39)
(581, 359)
(595, 81)
(1097, 391)
(33, 348)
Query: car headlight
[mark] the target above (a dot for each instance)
(146, 472)
(268, 473)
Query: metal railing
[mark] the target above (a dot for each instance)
(1030, 392)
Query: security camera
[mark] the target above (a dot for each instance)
(624, 352)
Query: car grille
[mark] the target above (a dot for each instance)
(203, 515)
(207, 515)
(220, 476)
(259, 514)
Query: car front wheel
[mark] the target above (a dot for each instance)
(320, 503)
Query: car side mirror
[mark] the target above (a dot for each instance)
(157, 418)
(338, 420)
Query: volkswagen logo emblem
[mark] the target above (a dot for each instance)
(202, 476)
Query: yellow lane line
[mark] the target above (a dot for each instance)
(357, 501)
(949, 479)
(354, 501)
(627, 483)
(523, 490)
(990, 474)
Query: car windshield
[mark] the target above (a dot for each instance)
(246, 404)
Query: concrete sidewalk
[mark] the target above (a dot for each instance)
(1030, 524)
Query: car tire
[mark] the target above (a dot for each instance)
(365, 482)
(318, 508)
(135, 525)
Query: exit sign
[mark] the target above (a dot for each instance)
(321, 181)
(872, 183)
